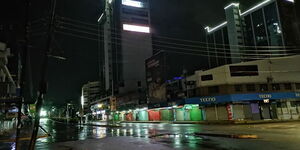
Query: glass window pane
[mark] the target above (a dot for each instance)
(259, 28)
(273, 25)
(260, 34)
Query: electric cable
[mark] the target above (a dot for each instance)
(216, 48)
(165, 46)
(200, 53)
(177, 39)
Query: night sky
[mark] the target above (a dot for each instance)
(170, 18)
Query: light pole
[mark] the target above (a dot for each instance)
(82, 107)
(68, 113)
(43, 81)
(106, 15)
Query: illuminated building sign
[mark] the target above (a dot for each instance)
(132, 3)
(136, 28)
(265, 96)
(291, 1)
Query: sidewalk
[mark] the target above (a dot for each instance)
(102, 124)
(92, 123)
(7, 127)
(221, 122)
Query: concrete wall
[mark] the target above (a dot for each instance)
(235, 37)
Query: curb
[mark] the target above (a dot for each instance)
(235, 136)
(216, 122)
(22, 139)
(108, 126)
(88, 124)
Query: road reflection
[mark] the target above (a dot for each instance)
(175, 136)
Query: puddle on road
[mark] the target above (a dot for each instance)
(186, 141)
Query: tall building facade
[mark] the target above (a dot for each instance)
(166, 73)
(89, 95)
(127, 44)
(268, 29)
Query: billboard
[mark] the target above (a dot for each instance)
(155, 76)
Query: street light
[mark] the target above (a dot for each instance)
(43, 113)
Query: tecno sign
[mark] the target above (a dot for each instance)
(208, 99)
(264, 96)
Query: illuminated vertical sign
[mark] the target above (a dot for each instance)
(133, 3)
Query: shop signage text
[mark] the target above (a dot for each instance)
(208, 99)
(265, 96)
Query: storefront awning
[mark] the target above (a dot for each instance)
(241, 97)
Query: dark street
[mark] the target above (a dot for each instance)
(150, 75)
(166, 136)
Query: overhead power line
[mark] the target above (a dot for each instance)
(195, 46)
(181, 48)
(175, 44)
(186, 51)
(64, 19)
(170, 43)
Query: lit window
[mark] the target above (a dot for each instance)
(132, 3)
(136, 28)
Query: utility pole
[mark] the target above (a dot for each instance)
(23, 72)
(43, 81)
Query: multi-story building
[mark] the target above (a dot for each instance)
(127, 44)
(269, 29)
(253, 90)
(261, 89)
(90, 94)
(165, 72)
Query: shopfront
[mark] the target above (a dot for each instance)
(154, 115)
(166, 114)
(253, 106)
(141, 114)
(129, 116)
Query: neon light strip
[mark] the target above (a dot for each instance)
(232, 4)
(215, 28)
(136, 28)
(255, 7)
(100, 17)
(292, 1)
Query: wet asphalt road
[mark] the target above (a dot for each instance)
(274, 136)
